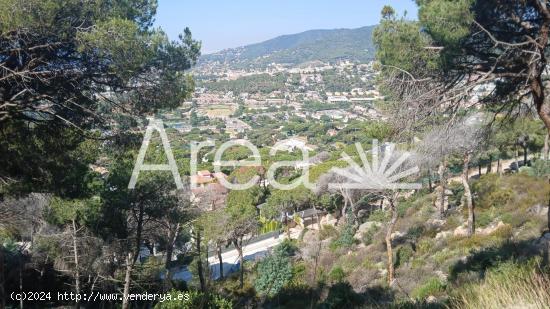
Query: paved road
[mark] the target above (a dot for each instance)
(251, 251)
(230, 258)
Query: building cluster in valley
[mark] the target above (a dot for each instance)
(345, 90)
(308, 94)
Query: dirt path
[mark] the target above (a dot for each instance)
(474, 171)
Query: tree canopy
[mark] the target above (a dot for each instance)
(497, 44)
(71, 66)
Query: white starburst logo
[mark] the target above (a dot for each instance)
(376, 176)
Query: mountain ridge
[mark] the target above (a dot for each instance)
(326, 45)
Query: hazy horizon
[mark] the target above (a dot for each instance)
(284, 34)
(249, 22)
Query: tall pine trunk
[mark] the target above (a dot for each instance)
(172, 236)
(548, 213)
(287, 224)
(344, 210)
(389, 249)
(127, 279)
(430, 185)
(517, 158)
(2, 276)
(21, 278)
(442, 187)
(132, 258)
(238, 243)
(546, 147)
(219, 252)
(468, 195)
(199, 263)
(479, 169)
(537, 85)
(76, 265)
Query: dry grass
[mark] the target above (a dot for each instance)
(510, 286)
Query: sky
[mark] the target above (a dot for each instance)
(221, 24)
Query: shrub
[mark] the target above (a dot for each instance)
(474, 242)
(452, 222)
(378, 216)
(350, 262)
(491, 192)
(483, 218)
(337, 274)
(531, 191)
(458, 192)
(432, 286)
(500, 197)
(415, 232)
(418, 263)
(286, 248)
(194, 300)
(274, 272)
(503, 232)
(430, 232)
(425, 245)
(296, 296)
(298, 273)
(486, 184)
(403, 255)
(527, 170)
(346, 238)
(341, 295)
(498, 237)
(514, 220)
(328, 231)
(269, 226)
(368, 235)
(512, 192)
(322, 276)
(541, 168)
(402, 208)
(231, 286)
(442, 256)
(368, 264)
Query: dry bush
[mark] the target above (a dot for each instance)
(327, 259)
(362, 277)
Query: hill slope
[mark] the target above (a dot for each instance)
(324, 45)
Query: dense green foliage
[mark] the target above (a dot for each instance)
(259, 83)
(194, 300)
(70, 66)
(274, 272)
(74, 76)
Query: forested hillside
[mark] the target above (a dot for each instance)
(323, 45)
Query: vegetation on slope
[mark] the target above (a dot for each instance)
(313, 45)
